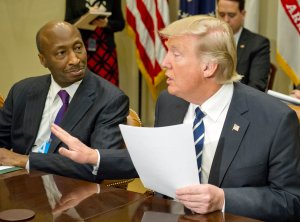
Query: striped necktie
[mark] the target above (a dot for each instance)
(198, 130)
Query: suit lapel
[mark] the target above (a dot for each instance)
(233, 131)
(35, 103)
(83, 99)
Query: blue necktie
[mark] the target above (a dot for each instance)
(198, 130)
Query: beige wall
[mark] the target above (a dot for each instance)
(20, 19)
(268, 28)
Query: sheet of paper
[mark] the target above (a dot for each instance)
(7, 169)
(164, 157)
(284, 97)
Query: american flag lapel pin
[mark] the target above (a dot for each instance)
(235, 127)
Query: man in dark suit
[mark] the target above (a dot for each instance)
(253, 50)
(251, 150)
(95, 110)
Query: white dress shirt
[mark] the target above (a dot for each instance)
(215, 110)
(51, 108)
(237, 36)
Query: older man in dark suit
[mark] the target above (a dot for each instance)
(250, 154)
(94, 108)
(253, 50)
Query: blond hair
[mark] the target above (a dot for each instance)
(215, 44)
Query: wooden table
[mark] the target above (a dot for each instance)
(56, 198)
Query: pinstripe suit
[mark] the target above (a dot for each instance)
(93, 116)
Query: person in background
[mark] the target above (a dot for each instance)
(253, 50)
(248, 151)
(100, 44)
(84, 104)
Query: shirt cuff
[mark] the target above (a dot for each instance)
(95, 168)
(27, 166)
(98, 188)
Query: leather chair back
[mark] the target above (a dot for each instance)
(133, 118)
(296, 109)
(1, 101)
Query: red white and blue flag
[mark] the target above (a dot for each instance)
(144, 19)
(288, 38)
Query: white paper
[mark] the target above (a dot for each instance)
(164, 157)
(284, 98)
(5, 167)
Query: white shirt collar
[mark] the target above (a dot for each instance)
(214, 106)
(55, 88)
(237, 36)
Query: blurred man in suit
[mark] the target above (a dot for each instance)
(251, 154)
(253, 50)
(93, 112)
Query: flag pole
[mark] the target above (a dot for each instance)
(140, 95)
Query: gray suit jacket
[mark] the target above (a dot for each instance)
(93, 116)
(253, 59)
(258, 165)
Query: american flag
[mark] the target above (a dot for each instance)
(144, 19)
(288, 38)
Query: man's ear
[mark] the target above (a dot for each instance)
(43, 60)
(243, 14)
(209, 69)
